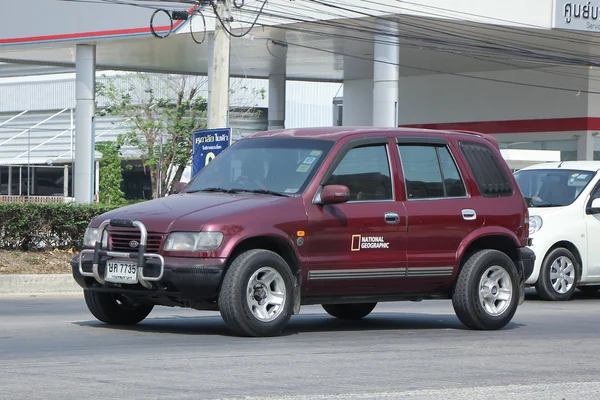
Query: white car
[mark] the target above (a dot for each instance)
(564, 225)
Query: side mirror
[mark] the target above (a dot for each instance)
(594, 208)
(179, 186)
(335, 194)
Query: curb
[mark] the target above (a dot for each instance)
(43, 285)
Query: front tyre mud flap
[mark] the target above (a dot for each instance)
(522, 292)
(297, 295)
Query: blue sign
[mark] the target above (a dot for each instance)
(208, 144)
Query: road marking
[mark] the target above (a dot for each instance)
(568, 390)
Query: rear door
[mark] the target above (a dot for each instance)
(358, 247)
(441, 212)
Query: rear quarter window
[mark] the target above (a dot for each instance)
(488, 171)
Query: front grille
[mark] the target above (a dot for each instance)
(120, 241)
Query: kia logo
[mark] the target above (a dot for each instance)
(134, 244)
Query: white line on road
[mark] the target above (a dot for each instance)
(560, 391)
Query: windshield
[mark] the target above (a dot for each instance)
(281, 166)
(552, 187)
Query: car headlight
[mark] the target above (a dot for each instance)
(91, 235)
(193, 241)
(535, 224)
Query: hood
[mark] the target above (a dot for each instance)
(541, 211)
(189, 211)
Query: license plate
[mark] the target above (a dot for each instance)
(121, 272)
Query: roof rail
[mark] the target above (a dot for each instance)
(469, 132)
(487, 137)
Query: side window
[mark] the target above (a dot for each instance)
(487, 170)
(430, 172)
(366, 172)
(595, 194)
(453, 183)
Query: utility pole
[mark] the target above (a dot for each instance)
(219, 94)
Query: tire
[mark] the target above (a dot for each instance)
(558, 276)
(257, 294)
(486, 294)
(115, 309)
(352, 312)
(589, 289)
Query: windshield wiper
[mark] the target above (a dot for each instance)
(213, 190)
(547, 205)
(261, 191)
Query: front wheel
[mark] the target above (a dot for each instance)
(486, 295)
(257, 295)
(115, 309)
(351, 312)
(558, 276)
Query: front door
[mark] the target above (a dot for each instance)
(591, 269)
(359, 246)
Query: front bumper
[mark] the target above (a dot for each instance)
(163, 278)
(182, 277)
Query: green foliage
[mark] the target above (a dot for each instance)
(160, 113)
(111, 174)
(31, 226)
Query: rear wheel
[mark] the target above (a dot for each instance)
(257, 295)
(558, 275)
(486, 295)
(349, 311)
(115, 309)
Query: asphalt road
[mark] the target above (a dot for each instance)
(54, 349)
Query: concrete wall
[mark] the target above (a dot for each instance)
(38, 18)
(451, 98)
(52, 18)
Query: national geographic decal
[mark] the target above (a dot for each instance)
(360, 242)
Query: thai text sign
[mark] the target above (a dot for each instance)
(207, 144)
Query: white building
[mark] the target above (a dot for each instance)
(37, 125)
(526, 72)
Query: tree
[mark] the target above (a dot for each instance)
(159, 113)
(111, 174)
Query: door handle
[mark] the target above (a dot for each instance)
(469, 214)
(391, 218)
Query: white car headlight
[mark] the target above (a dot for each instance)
(535, 224)
(193, 241)
(91, 235)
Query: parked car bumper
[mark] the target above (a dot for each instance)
(540, 247)
(526, 264)
(526, 260)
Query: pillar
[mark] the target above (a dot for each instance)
(211, 54)
(277, 82)
(218, 115)
(585, 145)
(358, 102)
(386, 74)
(85, 69)
(66, 181)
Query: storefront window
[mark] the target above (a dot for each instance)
(596, 148)
(567, 148)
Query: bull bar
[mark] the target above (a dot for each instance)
(140, 256)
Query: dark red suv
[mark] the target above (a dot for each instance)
(343, 217)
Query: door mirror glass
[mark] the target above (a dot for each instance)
(335, 194)
(594, 207)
